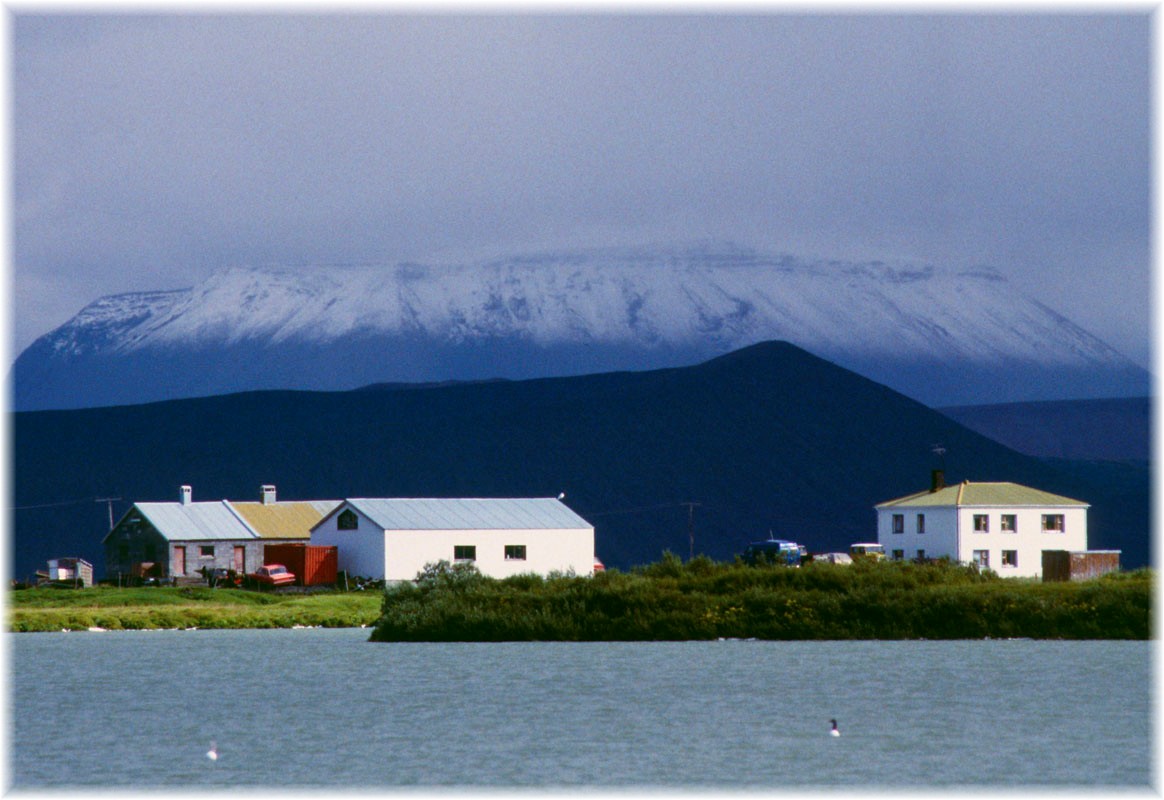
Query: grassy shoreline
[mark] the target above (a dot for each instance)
(668, 600)
(164, 607)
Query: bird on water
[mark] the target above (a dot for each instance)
(212, 753)
(834, 731)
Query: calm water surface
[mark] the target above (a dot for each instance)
(327, 708)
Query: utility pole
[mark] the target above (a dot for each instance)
(691, 528)
(109, 502)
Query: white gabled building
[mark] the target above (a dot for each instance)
(393, 538)
(1003, 526)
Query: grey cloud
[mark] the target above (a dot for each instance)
(150, 149)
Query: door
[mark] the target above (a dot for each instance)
(239, 558)
(179, 559)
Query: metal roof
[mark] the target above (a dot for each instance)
(1001, 493)
(284, 520)
(211, 521)
(468, 513)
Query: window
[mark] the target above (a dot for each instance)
(921, 523)
(515, 552)
(1053, 522)
(981, 558)
(347, 520)
(206, 550)
(1010, 558)
(981, 523)
(921, 555)
(898, 555)
(899, 523)
(464, 552)
(1009, 523)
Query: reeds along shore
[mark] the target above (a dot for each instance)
(704, 599)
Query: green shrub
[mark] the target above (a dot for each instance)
(703, 599)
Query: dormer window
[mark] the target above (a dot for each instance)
(347, 520)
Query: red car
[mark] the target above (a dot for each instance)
(272, 575)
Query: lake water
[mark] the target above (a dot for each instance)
(327, 708)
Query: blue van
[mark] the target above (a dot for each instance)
(775, 551)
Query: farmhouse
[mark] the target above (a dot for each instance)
(179, 539)
(393, 539)
(1002, 526)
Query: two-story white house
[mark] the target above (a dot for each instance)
(1002, 526)
(393, 538)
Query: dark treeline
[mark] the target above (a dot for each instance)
(704, 599)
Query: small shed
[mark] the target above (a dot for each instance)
(313, 564)
(1079, 565)
(76, 571)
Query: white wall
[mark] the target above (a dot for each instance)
(406, 552)
(939, 539)
(359, 552)
(1028, 541)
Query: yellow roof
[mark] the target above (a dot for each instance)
(284, 520)
(1001, 493)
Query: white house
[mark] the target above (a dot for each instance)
(393, 538)
(1003, 526)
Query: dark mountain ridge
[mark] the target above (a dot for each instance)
(765, 439)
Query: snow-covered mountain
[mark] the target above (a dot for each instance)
(941, 336)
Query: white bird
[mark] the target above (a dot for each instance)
(212, 753)
(834, 731)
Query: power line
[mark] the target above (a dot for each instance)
(64, 503)
(691, 526)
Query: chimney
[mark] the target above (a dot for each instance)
(937, 480)
(184, 493)
(267, 492)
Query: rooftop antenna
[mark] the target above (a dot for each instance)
(109, 502)
(940, 452)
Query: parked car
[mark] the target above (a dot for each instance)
(833, 558)
(271, 575)
(867, 550)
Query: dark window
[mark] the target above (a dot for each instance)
(981, 558)
(1010, 558)
(899, 523)
(921, 555)
(921, 523)
(1053, 522)
(464, 552)
(347, 520)
(206, 551)
(981, 523)
(515, 552)
(1009, 523)
(898, 555)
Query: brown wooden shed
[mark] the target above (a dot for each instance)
(1079, 565)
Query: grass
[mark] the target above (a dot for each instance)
(703, 599)
(168, 607)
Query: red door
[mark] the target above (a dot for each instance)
(179, 559)
(239, 558)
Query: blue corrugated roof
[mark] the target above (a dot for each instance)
(468, 513)
(193, 521)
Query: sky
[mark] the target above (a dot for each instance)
(151, 149)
